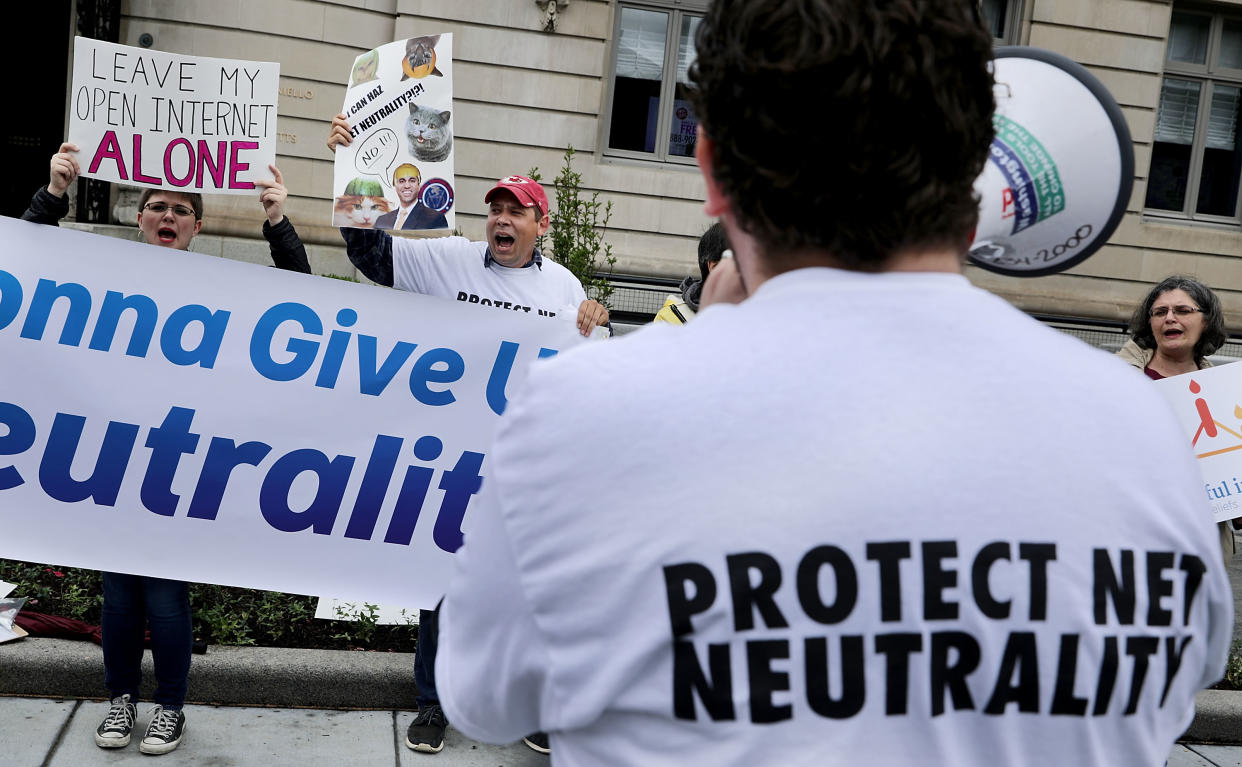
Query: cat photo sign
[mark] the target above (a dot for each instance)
(185, 123)
(398, 171)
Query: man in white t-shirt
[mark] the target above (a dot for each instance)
(505, 273)
(922, 527)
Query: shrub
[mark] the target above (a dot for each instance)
(222, 614)
(1233, 669)
(577, 233)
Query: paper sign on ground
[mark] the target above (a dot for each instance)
(398, 171)
(184, 123)
(1208, 403)
(302, 434)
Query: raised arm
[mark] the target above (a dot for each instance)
(369, 250)
(288, 252)
(50, 204)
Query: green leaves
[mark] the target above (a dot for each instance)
(222, 614)
(577, 233)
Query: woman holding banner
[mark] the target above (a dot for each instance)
(1173, 331)
(134, 604)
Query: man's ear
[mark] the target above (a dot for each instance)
(544, 224)
(716, 203)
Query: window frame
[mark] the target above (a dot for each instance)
(676, 10)
(1012, 25)
(1207, 75)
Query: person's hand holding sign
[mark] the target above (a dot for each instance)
(64, 169)
(590, 314)
(339, 133)
(273, 196)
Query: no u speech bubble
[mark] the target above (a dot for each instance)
(376, 155)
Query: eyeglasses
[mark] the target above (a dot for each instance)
(160, 208)
(1160, 312)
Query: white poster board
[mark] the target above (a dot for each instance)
(299, 434)
(184, 123)
(1208, 403)
(399, 105)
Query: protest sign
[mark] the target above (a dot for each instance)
(157, 119)
(302, 435)
(398, 171)
(1208, 403)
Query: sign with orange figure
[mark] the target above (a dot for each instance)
(1208, 403)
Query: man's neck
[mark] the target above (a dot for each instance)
(756, 270)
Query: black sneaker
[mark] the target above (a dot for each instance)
(114, 731)
(426, 732)
(164, 733)
(538, 741)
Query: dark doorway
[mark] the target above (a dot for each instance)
(28, 144)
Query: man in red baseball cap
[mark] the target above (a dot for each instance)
(506, 271)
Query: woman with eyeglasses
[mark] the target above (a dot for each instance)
(1172, 332)
(1175, 328)
(134, 603)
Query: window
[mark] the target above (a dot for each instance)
(1196, 158)
(649, 115)
(1002, 18)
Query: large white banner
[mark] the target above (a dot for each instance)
(398, 171)
(185, 123)
(1209, 405)
(190, 417)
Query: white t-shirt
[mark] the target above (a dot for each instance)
(685, 532)
(452, 267)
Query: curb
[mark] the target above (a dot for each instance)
(1218, 718)
(242, 676)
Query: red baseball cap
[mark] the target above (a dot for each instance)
(526, 190)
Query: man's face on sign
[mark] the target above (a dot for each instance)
(408, 183)
(512, 229)
(167, 219)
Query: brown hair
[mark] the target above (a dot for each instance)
(196, 200)
(853, 128)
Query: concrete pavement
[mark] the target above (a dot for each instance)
(1205, 756)
(41, 732)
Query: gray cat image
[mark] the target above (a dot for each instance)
(429, 133)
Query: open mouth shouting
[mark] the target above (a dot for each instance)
(503, 242)
(166, 234)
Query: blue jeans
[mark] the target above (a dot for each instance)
(425, 657)
(131, 602)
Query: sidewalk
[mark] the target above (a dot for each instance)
(38, 732)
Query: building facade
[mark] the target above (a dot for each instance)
(607, 77)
